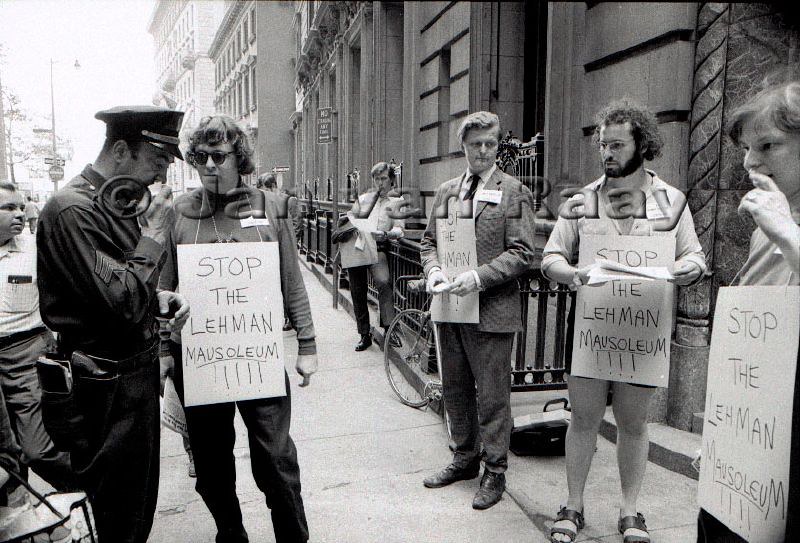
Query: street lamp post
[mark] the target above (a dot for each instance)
(53, 116)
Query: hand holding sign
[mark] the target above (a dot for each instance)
(686, 273)
(173, 306)
(437, 282)
(464, 284)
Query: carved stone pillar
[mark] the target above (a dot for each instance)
(738, 46)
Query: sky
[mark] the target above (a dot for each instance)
(109, 39)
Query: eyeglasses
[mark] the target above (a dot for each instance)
(614, 146)
(200, 158)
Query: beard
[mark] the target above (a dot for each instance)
(626, 169)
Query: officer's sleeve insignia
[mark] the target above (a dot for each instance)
(104, 266)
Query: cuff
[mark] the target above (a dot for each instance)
(150, 248)
(306, 346)
(433, 269)
(477, 279)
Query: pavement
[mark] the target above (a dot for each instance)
(363, 456)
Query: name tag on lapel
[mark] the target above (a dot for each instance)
(491, 196)
(252, 221)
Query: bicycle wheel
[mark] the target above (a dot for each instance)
(409, 347)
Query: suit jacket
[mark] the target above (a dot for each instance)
(505, 245)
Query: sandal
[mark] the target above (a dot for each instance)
(637, 522)
(574, 517)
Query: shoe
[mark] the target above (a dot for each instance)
(363, 345)
(492, 487)
(571, 515)
(633, 523)
(451, 474)
(232, 535)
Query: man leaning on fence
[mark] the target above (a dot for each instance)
(478, 355)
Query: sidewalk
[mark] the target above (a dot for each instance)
(362, 454)
(538, 484)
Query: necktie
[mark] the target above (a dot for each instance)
(473, 187)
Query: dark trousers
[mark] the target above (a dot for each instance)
(273, 458)
(471, 359)
(21, 398)
(358, 291)
(119, 467)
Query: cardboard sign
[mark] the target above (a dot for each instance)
(744, 468)
(172, 414)
(233, 341)
(456, 249)
(623, 327)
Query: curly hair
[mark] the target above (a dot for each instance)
(643, 125)
(218, 129)
(780, 103)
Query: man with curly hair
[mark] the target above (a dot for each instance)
(626, 136)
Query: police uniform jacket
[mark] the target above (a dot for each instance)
(97, 273)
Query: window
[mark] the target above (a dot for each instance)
(253, 90)
(253, 23)
(244, 33)
(443, 140)
(246, 86)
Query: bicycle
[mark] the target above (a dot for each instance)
(412, 354)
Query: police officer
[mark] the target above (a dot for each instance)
(97, 286)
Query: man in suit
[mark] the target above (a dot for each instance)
(479, 355)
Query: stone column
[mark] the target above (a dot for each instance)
(738, 46)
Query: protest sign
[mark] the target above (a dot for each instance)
(455, 247)
(172, 415)
(623, 327)
(744, 468)
(233, 341)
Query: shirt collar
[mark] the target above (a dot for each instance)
(12, 246)
(485, 176)
(95, 179)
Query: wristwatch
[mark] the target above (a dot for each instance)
(576, 279)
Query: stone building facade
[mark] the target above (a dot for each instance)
(692, 64)
(400, 76)
(183, 31)
(256, 94)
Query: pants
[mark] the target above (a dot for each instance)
(119, 467)
(21, 398)
(273, 458)
(358, 291)
(472, 358)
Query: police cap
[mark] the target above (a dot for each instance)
(156, 125)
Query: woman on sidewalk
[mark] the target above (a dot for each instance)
(220, 151)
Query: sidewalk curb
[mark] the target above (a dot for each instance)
(665, 455)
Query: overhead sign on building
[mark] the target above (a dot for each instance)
(280, 169)
(324, 120)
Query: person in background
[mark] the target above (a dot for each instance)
(23, 339)
(767, 128)
(221, 153)
(377, 206)
(626, 136)
(31, 214)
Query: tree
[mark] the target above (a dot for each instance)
(25, 144)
